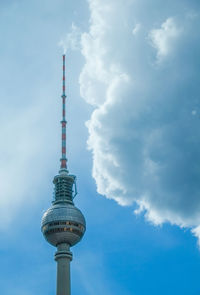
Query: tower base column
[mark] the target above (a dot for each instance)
(63, 257)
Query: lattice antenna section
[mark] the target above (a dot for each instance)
(63, 165)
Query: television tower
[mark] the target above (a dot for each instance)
(63, 225)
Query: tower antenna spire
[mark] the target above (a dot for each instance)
(63, 165)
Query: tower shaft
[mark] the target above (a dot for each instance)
(63, 257)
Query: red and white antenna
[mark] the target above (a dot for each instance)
(63, 123)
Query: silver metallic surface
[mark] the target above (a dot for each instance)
(63, 223)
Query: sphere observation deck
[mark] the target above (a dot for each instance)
(63, 222)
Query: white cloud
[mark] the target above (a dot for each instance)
(136, 28)
(196, 232)
(144, 141)
(72, 39)
(162, 39)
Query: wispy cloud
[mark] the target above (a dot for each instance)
(85, 267)
(136, 28)
(72, 39)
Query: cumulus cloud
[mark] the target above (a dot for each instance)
(162, 38)
(143, 133)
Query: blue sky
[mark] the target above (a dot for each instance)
(133, 142)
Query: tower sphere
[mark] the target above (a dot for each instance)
(63, 223)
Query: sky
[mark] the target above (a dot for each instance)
(133, 113)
